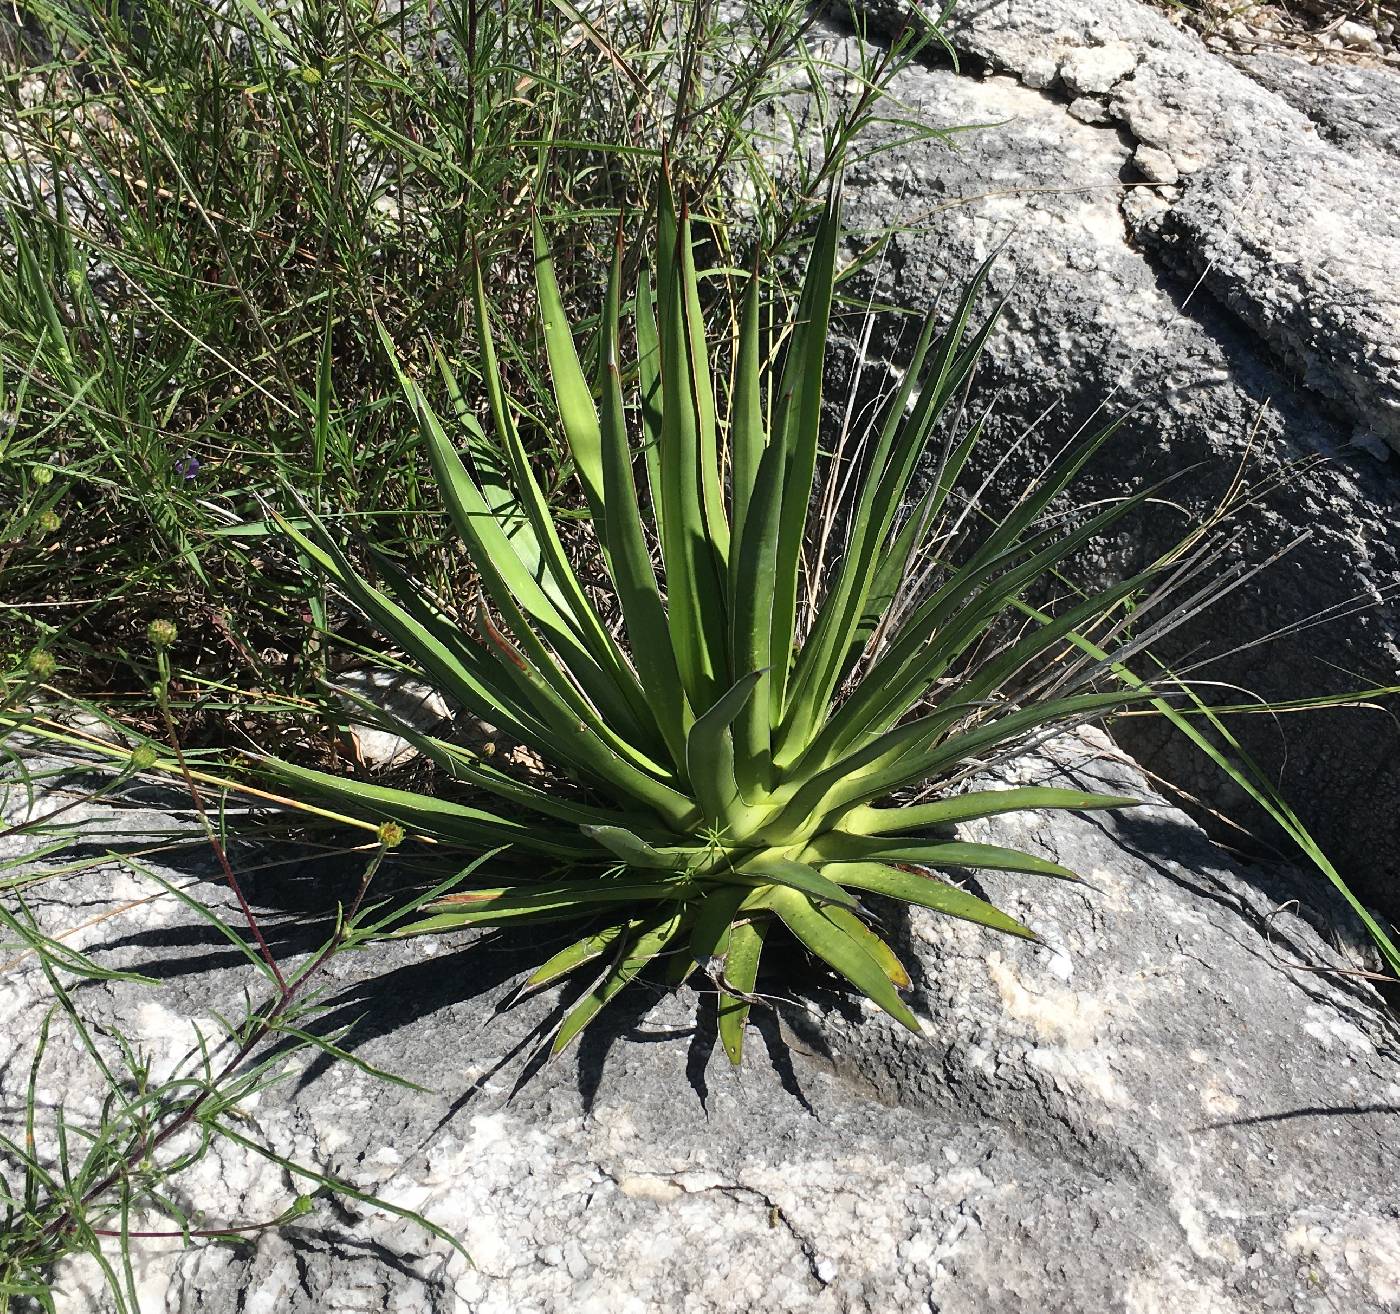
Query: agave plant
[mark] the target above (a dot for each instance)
(725, 756)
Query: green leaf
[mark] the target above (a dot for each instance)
(768, 868)
(740, 972)
(885, 957)
(585, 651)
(575, 955)
(644, 614)
(653, 937)
(747, 438)
(941, 629)
(751, 640)
(797, 432)
(897, 454)
(640, 853)
(694, 593)
(702, 388)
(983, 738)
(926, 892)
(547, 901)
(453, 667)
(974, 805)
(709, 753)
(493, 478)
(709, 938)
(649, 384)
(845, 955)
(428, 815)
(835, 848)
(577, 414)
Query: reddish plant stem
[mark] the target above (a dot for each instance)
(287, 992)
(163, 698)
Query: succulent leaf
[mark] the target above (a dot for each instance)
(728, 756)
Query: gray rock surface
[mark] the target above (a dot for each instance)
(1249, 310)
(1281, 225)
(1165, 1108)
(1356, 109)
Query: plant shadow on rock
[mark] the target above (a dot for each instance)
(370, 995)
(392, 1012)
(1105, 302)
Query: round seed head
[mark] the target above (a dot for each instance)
(144, 757)
(42, 664)
(161, 633)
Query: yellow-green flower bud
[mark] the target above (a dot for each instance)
(49, 521)
(311, 76)
(144, 757)
(161, 633)
(41, 475)
(41, 664)
(390, 834)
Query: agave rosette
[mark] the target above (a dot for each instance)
(734, 750)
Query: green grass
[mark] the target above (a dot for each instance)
(213, 214)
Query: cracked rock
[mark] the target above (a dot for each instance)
(1095, 71)
(1155, 1110)
(1089, 109)
(1249, 313)
(1155, 165)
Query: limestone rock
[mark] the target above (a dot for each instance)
(404, 699)
(1284, 227)
(1172, 1104)
(1155, 165)
(1357, 109)
(1095, 70)
(1245, 311)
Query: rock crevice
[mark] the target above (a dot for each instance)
(1275, 219)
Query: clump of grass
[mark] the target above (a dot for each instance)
(75, 1185)
(208, 213)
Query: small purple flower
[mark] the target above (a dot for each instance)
(187, 466)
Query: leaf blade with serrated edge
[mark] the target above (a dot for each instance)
(769, 868)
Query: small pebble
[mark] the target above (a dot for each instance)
(1089, 110)
(1041, 73)
(1156, 165)
(1358, 36)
